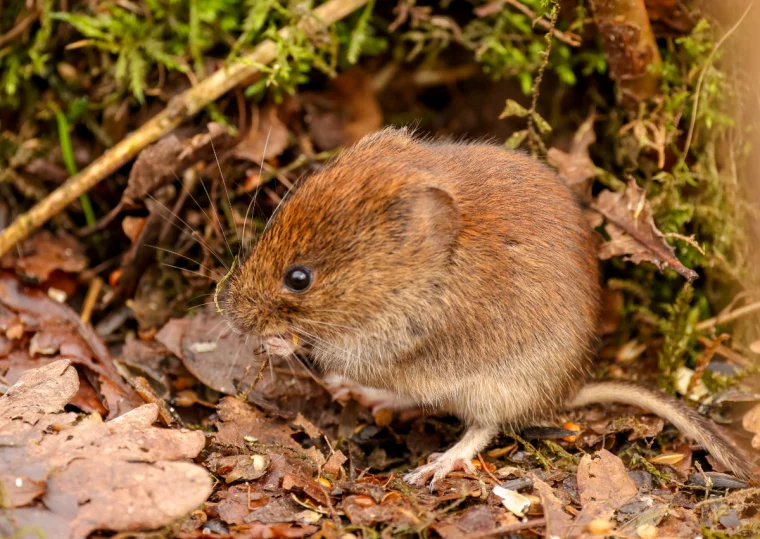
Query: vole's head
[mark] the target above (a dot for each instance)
(361, 247)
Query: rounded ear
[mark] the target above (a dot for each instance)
(436, 215)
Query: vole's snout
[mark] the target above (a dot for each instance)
(244, 311)
(254, 317)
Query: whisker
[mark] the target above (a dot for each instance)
(206, 215)
(201, 305)
(224, 184)
(190, 231)
(188, 271)
(326, 324)
(325, 343)
(234, 361)
(256, 192)
(213, 208)
(183, 256)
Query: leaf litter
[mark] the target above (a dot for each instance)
(121, 474)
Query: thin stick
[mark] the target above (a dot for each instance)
(96, 285)
(180, 108)
(256, 380)
(728, 317)
(20, 28)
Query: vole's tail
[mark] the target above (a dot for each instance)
(684, 418)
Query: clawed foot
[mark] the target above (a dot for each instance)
(439, 468)
(457, 458)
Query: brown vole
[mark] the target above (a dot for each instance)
(454, 276)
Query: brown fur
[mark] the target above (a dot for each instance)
(462, 276)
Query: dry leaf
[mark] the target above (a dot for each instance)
(238, 467)
(44, 253)
(210, 350)
(335, 463)
(126, 496)
(558, 523)
(95, 475)
(633, 233)
(267, 137)
(19, 490)
(751, 423)
(576, 167)
(516, 503)
(667, 458)
(603, 486)
(345, 115)
(38, 392)
(167, 159)
(60, 331)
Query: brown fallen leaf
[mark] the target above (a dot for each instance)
(241, 426)
(237, 501)
(558, 523)
(117, 475)
(633, 233)
(603, 486)
(19, 490)
(211, 351)
(335, 463)
(39, 392)
(751, 423)
(14, 522)
(126, 496)
(167, 159)
(346, 114)
(395, 512)
(640, 426)
(42, 254)
(59, 332)
(267, 137)
(576, 166)
(309, 428)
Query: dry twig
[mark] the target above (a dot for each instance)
(728, 317)
(179, 109)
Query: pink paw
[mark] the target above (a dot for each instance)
(375, 399)
(439, 468)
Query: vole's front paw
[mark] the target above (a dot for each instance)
(438, 469)
(375, 399)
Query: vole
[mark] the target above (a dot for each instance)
(454, 276)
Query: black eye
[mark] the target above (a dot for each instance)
(298, 278)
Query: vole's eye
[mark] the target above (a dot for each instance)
(298, 278)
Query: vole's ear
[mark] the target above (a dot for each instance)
(435, 216)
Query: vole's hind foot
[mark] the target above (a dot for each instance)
(457, 457)
(438, 469)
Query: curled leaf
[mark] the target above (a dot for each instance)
(633, 233)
